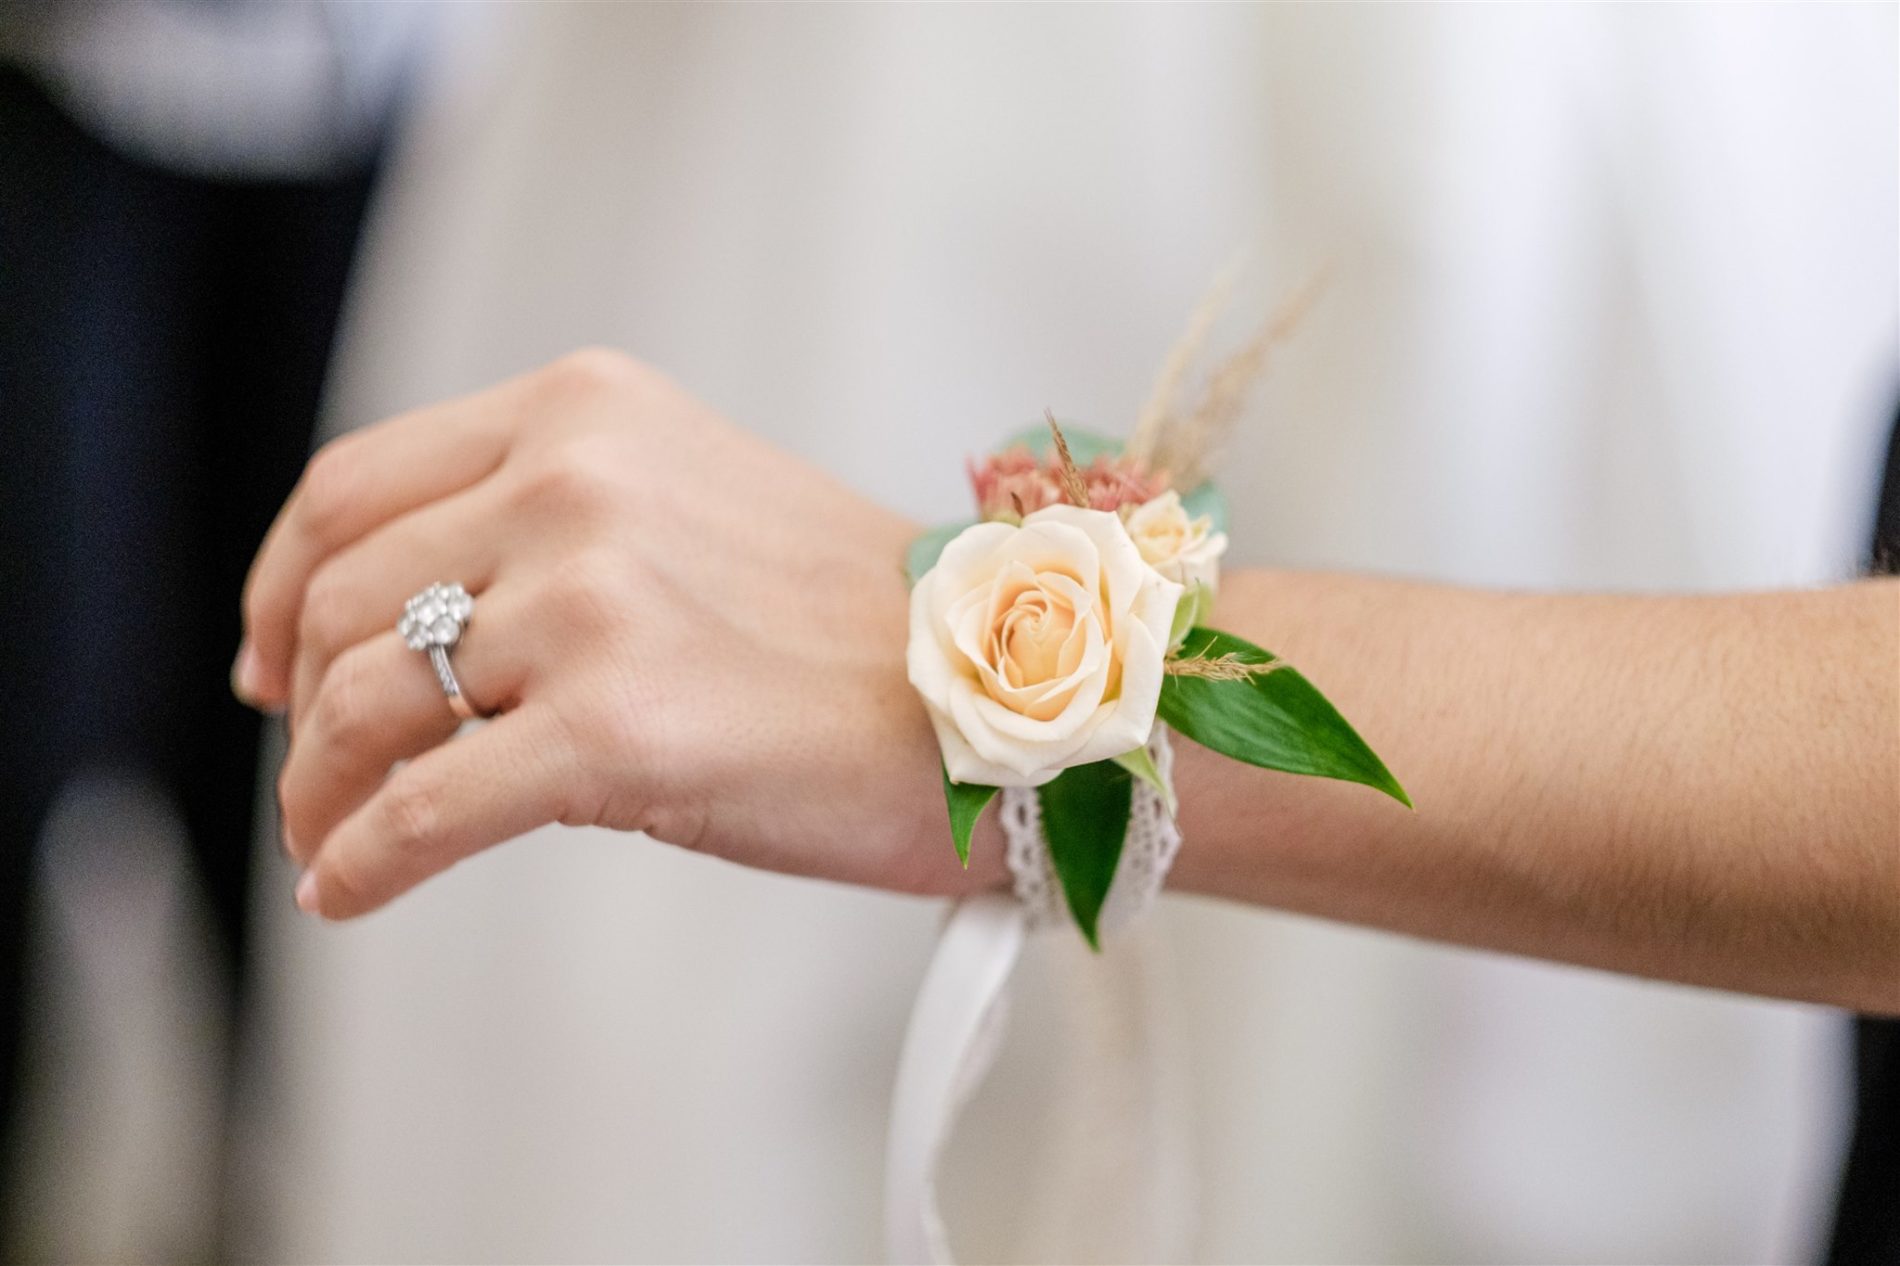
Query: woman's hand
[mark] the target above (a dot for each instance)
(679, 629)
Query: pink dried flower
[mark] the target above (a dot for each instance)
(1015, 482)
(1118, 482)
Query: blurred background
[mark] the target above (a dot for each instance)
(1613, 305)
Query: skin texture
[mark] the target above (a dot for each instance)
(1703, 789)
(688, 633)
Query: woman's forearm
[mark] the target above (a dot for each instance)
(1702, 789)
(686, 632)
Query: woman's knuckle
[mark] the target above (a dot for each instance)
(601, 454)
(562, 487)
(608, 739)
(414, 812)
(585, 592)
(322, 625)
(566, 749)
(347, 882)
(594, 370)
(328, 482)
(342, 710)
(313, 632)
(290, 795)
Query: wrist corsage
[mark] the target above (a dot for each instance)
(1058, 639)
(1057, 642)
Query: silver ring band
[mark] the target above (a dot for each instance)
(433, 621)
(451, 687)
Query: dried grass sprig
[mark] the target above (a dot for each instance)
(1228, 667)
(1159, 411)
(1073, 485)
(1184, 447)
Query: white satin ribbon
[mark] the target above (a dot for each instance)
(1113, 1177)
(1117, 1168)
(954, 1032)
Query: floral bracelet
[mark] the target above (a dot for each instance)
(1056, 640)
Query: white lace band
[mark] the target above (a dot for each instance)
(1148, 851)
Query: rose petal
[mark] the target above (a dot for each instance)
(963, 764)
(1142, 654)
(1047, 700)
(982, 625)
(927, 659)
(1122, 568)
(1088, 691)
(978, 718)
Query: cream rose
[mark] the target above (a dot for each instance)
(1184, 550)
(1039, 647)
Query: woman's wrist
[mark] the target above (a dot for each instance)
(1273, 838)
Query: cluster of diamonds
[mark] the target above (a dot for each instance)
(435, 617)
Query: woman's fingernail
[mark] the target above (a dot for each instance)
(307, 892)
(244, 674)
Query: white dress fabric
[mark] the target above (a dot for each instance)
(1613, 306)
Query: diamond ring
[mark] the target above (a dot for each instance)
(433, 621)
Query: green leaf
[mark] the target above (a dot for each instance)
(1275, 720)
(1085, 820)
(923, 552)
(966, 801)
(1141, 763)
